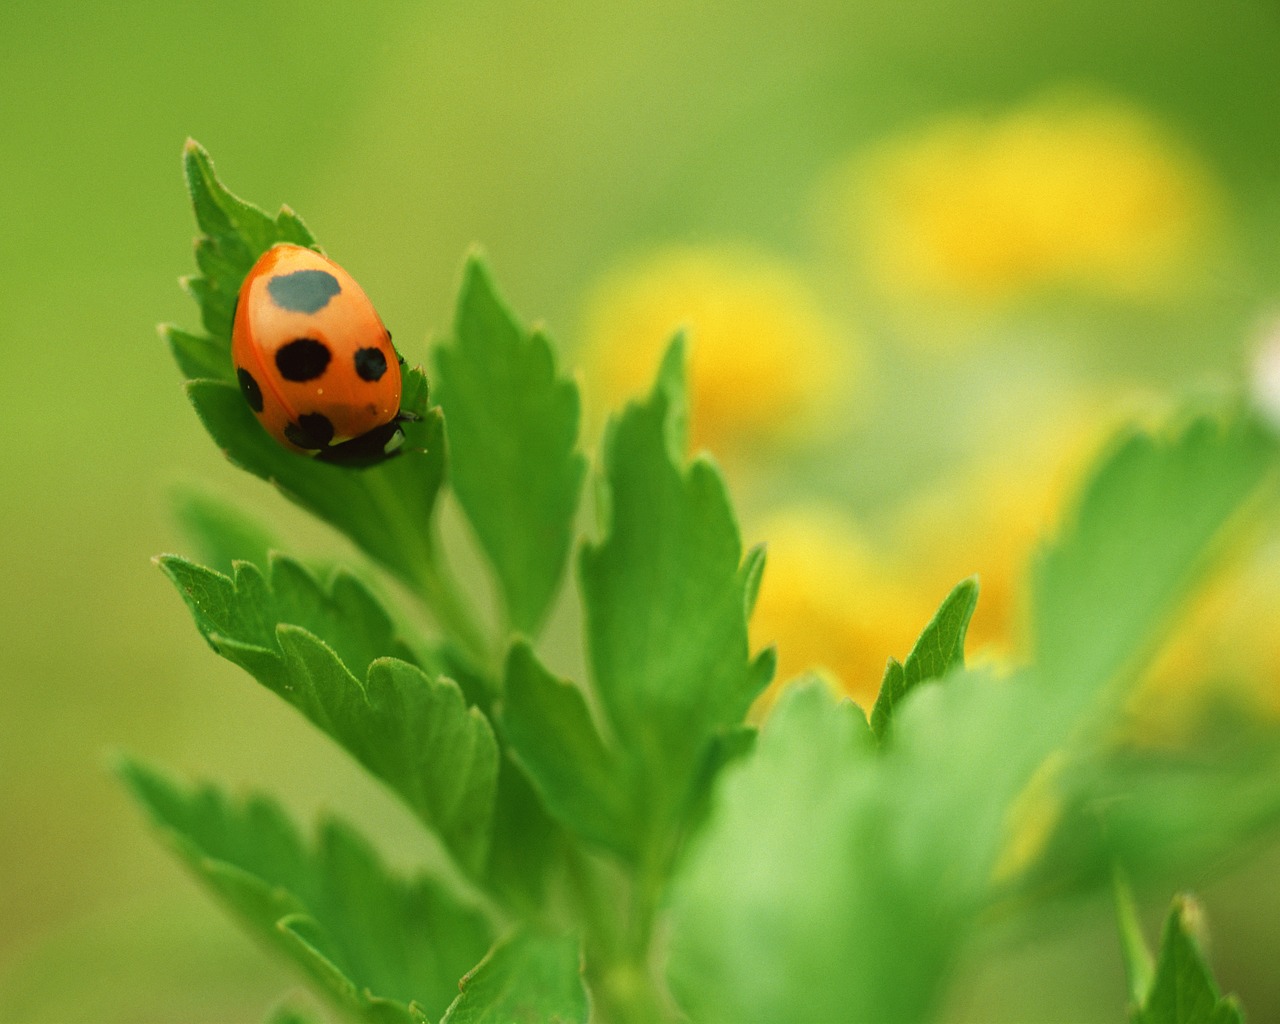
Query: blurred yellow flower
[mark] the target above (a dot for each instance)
(992, 519)
(1086, 194)
(1225, 646)
(832, 606)
(764, 365)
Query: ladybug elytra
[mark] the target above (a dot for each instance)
(314, 360)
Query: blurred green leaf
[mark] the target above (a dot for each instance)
(1146, 525)
(1184, 991)
(526, 852)
(381, 949)
(939, 650)
(770, 908)
(512, 425)
(222, 534)
(584, 784)
(665, 595)
(526, 979)
(333, 655)
(291, 1011)
(1161, 813)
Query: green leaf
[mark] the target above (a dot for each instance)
(292, 1009)
(512, 425)
(582, 783)
(665, 595)
(769, 909)
(939, 650)
(234, 235)
(1139, 966)
(380, 948)
(291, 1013)
(526, 854)
(527, 979)
(1145, 528)
(332, 654)
(1164, 814)
(1184, 991)
(386, 510)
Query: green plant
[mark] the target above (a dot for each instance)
(627, 849)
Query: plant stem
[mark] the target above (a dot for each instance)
(441, 594)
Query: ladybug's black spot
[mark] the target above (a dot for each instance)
(302, 359)
(313, 430)
(371, 364)
(303, 291)
(249, 388)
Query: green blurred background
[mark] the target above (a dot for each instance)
(567, 139)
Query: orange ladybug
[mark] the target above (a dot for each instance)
(314, 360)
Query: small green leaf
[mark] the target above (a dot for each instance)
(1184, 991)
(583, 784)
(939, 650)
(234, 235)
(665, 595)
(332, 654)
(1145, 527)
(378, 947)
(512, 425)
(1140, 968)
(526, 979)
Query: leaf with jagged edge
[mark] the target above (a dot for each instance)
(1184, 990)
(929, 818)
(584, 784)
(234, 235)
(665, 594)
(332, 653)
(380, 948)
(512, 424)
(939, 650)
(386, 510)
(527, 978)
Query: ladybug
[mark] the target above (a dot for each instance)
(314, 360)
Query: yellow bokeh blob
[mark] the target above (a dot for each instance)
(765, 365)
(991, 519)
(1225, 646)
(1082, 194)
(832, 606)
